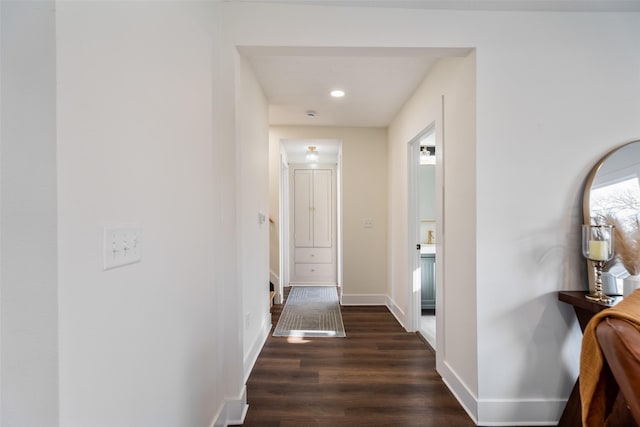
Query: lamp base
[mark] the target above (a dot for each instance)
(599, 297)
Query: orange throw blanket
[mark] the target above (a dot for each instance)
(594, 385)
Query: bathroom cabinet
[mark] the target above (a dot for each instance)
(428, 280)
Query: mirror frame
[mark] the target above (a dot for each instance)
(586, 200)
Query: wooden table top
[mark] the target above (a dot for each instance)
(577, 299)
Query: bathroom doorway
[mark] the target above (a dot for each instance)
(423, 213)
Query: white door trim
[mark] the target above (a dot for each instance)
(284, 227)
(415, 285)
(414, 294)
(413, 221)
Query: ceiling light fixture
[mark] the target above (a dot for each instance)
(312, 155)
(337, 93)
(427, 157)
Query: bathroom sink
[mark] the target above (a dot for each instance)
(427, 248)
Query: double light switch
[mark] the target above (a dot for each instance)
(121, 246)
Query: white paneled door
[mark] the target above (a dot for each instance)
(303, 208)
(322, 208)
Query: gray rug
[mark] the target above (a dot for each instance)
(311, 311)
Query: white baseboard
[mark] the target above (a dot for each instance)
(527, 412)
(397, 312)
(232, 411)
(274, 278)
(376, 299)
(502, 412)
(459, 389)
(369, 299)
(251, 357)
(312, 284)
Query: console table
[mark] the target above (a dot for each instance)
(585, 310)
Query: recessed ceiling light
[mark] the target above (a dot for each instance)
(337, 93)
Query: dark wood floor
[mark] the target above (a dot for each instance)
(379, 375)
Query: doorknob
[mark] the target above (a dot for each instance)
(418, 246)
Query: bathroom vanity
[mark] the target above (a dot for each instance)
(428, 276)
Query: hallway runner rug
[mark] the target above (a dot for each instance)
(311, 311)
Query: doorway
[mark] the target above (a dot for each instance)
(312, 260)
(423, 224)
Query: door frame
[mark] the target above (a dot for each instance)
(285, 236)
(339, 223)
(413, 229)
(283, 190)
(413, 161)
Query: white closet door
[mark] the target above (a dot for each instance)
(322, 205)
(303, 212)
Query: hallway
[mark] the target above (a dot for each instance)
(379, 375)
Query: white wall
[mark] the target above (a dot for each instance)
(577, 102)
(548, 106)
(454, 80)
(154, 343)
(28, 229)
(146, 128)
(253, 200)
(364, 195)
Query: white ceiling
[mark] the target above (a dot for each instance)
(377, 82)
(522, 5)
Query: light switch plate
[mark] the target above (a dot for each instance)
(121, 246)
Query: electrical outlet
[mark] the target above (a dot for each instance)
(121, 246)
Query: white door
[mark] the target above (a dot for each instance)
(303, 208)
(313, 204)
(322, 208)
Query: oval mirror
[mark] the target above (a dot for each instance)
(613, 190)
